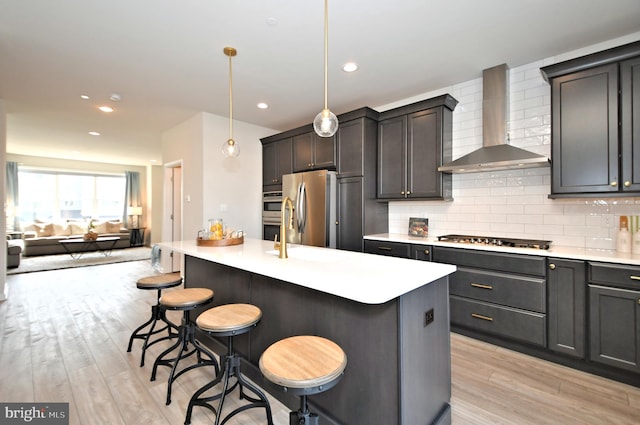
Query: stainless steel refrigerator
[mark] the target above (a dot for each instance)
(313, 194)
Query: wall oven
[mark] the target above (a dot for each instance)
(271, 205)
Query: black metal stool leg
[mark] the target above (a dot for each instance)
(230, 368)
(303, 416)
(186, 336)
(158, 313)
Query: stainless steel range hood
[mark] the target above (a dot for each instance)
(495, 154)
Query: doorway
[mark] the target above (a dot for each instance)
(172, 222)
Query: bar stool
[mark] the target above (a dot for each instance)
(229, 320)
(157, 282)
(303, 365)
(184, 300)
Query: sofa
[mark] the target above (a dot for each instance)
(14, 251)
(43, 238)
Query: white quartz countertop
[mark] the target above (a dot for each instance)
(609, 256)
(365, 278)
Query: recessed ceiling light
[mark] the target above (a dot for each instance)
(84, 96)
(106, 108)
(153, 160)
(262, 105)
(350, 67)
(94, 133)
(115, 97)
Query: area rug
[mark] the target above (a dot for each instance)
(63, 261)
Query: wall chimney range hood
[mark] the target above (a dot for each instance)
(495, 154)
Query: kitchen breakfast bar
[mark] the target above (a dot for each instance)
(389, 315)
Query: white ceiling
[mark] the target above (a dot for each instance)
(165, 58)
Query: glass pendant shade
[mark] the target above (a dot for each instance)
(325, 124)
(230, 149)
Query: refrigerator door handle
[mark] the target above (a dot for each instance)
(301, 213)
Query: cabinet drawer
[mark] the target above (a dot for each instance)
(514, 263)
(511, 290)
(391, 249)
(615, 275)
(503, 321)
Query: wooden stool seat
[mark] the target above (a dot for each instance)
(158, 315)
(303, 362)
(187, 298)
(229, 318)
(160, 281)
(303, 365)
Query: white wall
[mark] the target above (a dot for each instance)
(3, 174)
(219, 187)
(184, 143)
(515, 203)
(233, 186)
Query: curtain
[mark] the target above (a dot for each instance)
(13, 220)
(132, 197)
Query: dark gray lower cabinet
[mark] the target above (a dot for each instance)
(391, 249)
(422, 252)
(498, 294)
(566, 311)
(614, 315)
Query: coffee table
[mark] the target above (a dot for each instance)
(75, 247)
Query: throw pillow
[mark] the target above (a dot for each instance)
(61, 229)
(113, 226)
(43, 229)
(100, 227)
(77, 228)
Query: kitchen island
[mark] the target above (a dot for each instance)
(390, 316)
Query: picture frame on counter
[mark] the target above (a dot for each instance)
(419, 227)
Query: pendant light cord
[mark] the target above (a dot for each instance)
(326, 49)
(230, 100)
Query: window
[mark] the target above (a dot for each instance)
(55, 195)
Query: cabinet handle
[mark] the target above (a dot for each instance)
(402, 192)
(481, 286)
(627, 183)
(408, 193)
(337, 222)
(384, 248)
(552, 266)
(614, 183)
(632, 277)
(426, 252)
(481, 317)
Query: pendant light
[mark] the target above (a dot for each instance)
(230, 148)
(326, 123)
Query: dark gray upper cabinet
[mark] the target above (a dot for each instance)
(594, 150)
(413, 141)
(312, 152)
(276, 161)
(630, 104)
(358, 211)
(566, 286)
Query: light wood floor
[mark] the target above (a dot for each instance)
(63, 337)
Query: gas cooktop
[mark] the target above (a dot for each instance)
(487, 240)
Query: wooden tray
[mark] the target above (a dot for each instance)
(220, 242)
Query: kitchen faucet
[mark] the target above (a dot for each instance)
(282, 245)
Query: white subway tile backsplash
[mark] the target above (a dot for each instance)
(514, 203)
